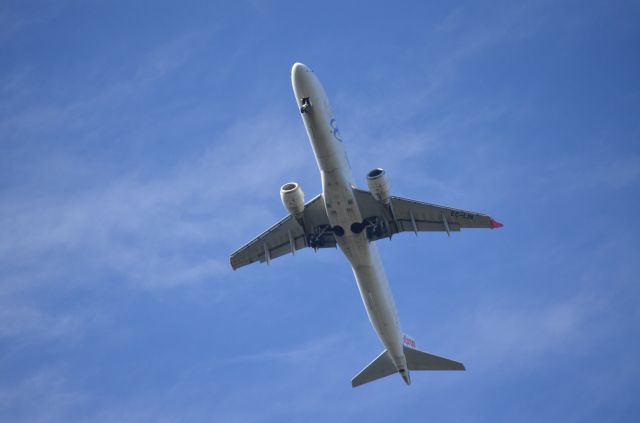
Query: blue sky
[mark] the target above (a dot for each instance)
(142, 142)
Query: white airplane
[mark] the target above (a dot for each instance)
(352, 219)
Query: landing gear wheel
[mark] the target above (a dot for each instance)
(357, 227)
(337, 230)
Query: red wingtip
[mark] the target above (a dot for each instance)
(496, 224)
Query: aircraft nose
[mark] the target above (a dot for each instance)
(298, 68)
(299, 74)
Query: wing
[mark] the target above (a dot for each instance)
(289, 235)
(404, 215)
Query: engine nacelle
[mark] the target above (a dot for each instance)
(379, 184)
(292, 199)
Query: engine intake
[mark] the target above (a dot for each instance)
(293, 199)
(379, 184)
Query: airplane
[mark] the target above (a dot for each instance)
(352, 219)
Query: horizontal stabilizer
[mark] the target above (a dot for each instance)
(416, 360)
(380, 367)
(420, 360)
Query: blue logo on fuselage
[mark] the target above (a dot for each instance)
(333, 125)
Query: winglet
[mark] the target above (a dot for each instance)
(495, 224)
(231, 263)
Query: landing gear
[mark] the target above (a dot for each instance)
(375, 228)
(357, 227)
(306, 105)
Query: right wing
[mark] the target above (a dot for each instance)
(288, 235)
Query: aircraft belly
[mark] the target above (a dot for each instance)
(340, 202)
(343, 210)
(378, 301)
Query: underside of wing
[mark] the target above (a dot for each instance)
(404, 215)
(288, 235)
(380, 367)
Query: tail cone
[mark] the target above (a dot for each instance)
(405, 376)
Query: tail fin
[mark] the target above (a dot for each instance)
(380, 367)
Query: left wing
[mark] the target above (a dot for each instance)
(404, 215)
(289, 235)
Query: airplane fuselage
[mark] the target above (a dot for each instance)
(343, 211)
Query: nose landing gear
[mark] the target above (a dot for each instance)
(306, 105)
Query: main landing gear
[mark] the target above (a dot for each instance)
(375, 227)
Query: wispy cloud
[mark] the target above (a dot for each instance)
(44, 396)
(98, 93)
(140, 226)
(126, 182)
(20, 321)
(303, 355)
(515, 338)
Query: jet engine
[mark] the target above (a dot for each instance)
(293, 199)
(379, 184)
